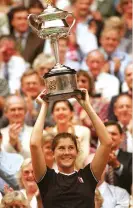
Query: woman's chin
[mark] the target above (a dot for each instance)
(32, 185)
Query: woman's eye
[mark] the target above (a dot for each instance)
(61, 148)
(70, 148)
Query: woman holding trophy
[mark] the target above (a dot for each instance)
(68, 188)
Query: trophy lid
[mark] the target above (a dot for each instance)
(60, 71)
(52, 13)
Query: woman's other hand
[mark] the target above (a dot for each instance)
(84, 101)
(40, 98)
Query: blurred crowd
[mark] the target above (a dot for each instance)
(99, 48)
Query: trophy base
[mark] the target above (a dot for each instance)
(64, 96)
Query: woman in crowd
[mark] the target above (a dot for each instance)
(99, 104)
(14, 199)
(27, 183)
(42, 64)
(47, 150)
(68, 188)
(62, 112)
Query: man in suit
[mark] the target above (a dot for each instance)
(110, 196)
(123, 113)
(28, 43)
(105, 84)
(30, 88)
(10, 61)
(119, 161)
(16, 136)
(117, 60)
(126, 88)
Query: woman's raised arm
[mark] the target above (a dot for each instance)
(38, 161)
(101, 156)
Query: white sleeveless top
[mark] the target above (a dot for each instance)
(33, 202)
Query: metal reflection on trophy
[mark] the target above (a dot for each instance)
(52, 24)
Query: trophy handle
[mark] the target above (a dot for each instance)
(34, 22)
(74, 20)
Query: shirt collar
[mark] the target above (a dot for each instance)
(18, 35)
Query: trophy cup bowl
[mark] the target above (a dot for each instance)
(61, 81)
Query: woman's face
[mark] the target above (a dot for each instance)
(48, 153)
(83, 82)
(28, 178)
(42, 70)
(62, 113)
(65, 155)
(127, 7)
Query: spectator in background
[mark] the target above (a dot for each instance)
(118, 23)
(81, 10)
(43, 63)
(9, 165)
(4, 92)
(30, 88)
(96, 27)
(27, 183)
(113, 196)
(28, 43)
(120, 173)
(126, 12)
(127, 85)
(123, 113)
(118, 60)
(106, 8)
(65, 57)
(4, 27)
(47, 150)
(126, 88)
(99, 104)
(83, 14)
(14, 199)
(16, 136)
(35, 8)
(88, 43)
(105, 85)
(10, 62)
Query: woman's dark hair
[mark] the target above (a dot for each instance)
(114, 123)
(64, 136)
(36, 4)
(90, 80)
(65, 101)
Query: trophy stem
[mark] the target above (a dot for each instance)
(54, 44)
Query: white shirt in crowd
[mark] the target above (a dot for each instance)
(114, 196)
(86, 40)
(33, 202)
(15, 67)
(107, 84)
(24, 138)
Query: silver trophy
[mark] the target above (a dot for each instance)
(61, 81)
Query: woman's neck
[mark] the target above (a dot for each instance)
(49, 163)
(66, 170)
